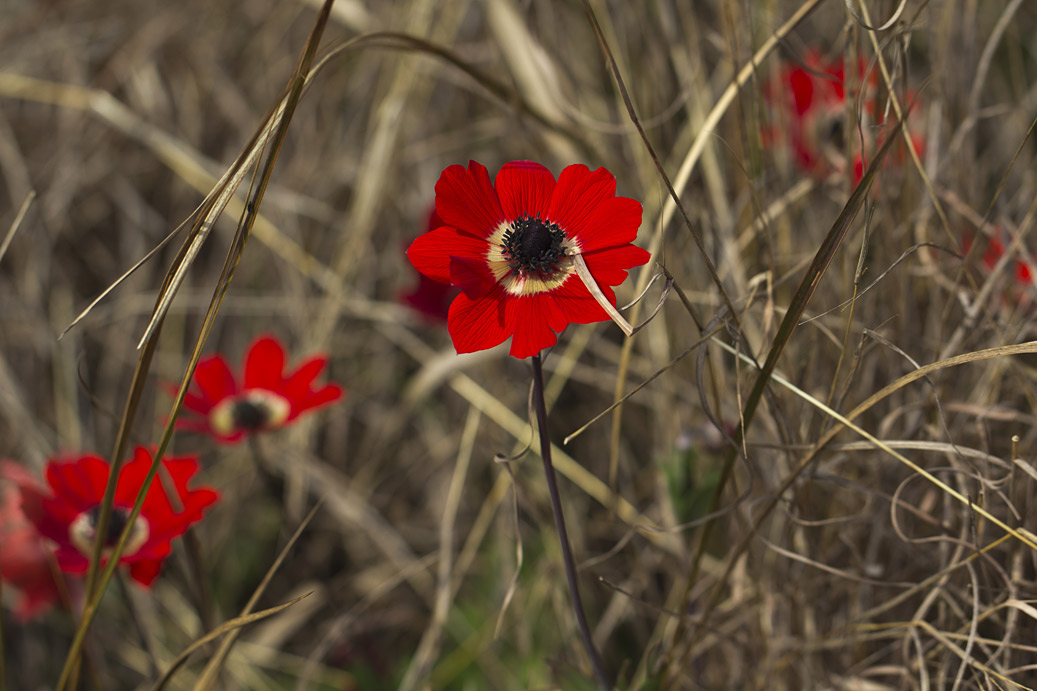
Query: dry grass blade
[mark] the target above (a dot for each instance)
(833, 558)
(632, 114)
(878, 443)
(220, 196)
(811, 279)
(16, 224)
(914, 375)
(681, 180)
(212, 669)
(225, 627)
(708, 336)
(426, 651)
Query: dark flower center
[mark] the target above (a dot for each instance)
(533, 245)
(252, 410)
(249, 415)
(117, 521)
(83, 531)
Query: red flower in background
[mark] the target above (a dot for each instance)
(431, 298)
(67, 513)
(266, 399)
(995, 249)
(809, 104)
(510, 248)
(25, 559)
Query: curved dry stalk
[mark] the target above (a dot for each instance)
(224, 628)
(584, 272)
(713, 599)
(804, 293)
(212, 669)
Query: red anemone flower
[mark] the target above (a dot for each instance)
(67, 514)
(266, 399)
(431, 298)
(810, 103)
(510, 246)
(25, 560)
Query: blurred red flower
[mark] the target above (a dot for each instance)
(510, 248)
(808, 103)
(67, 513)
(25, 558)
(266, 399)
(995, 249)
(431, 298)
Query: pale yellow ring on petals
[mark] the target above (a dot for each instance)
(83, 532)
(517, 283)
(277, 407)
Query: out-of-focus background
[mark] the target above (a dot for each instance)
(864, 574)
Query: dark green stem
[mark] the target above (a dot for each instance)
(563, 536)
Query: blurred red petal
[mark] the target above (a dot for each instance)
(264, 364)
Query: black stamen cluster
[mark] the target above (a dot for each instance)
(116, 523)
(249, 415)
(533, 245)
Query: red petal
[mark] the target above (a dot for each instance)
(300, 392)
(79, 483)
(316, 399)
(199, 404)
(301, 380)
(70, 559)
(576, 304)
(145, 571)
(157, 508)
(481, 323)
(465, 200)
(537, 319)
(430, 298)
(430, 253)
(613, 223)
(609, 266)
(194, 424)
(264, 365)
(525, 189)
(471, 275)
(214, 378)
(577, 196)
(35, 504)
(802, 84)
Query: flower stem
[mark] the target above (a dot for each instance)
(563, 536)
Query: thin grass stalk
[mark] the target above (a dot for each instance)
(143, 365)
(16, 224)
(563, 535)
(94, 589)
(215, 664)
(800, 299)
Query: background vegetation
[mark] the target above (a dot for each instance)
(831, 562)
